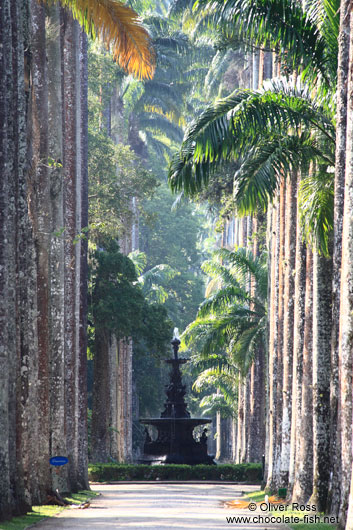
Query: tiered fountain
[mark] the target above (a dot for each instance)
(175, 443)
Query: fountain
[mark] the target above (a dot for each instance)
(175, 443)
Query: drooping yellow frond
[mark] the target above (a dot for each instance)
(120, 29)
(213, 286)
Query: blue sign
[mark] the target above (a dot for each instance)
(58, 460)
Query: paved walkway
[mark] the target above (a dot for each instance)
(158, 506)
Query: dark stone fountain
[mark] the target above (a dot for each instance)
(175, 443)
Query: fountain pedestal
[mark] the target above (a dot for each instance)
(175, 443)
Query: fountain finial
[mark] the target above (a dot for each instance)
(175, 342)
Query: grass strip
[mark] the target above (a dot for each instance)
(43, 512)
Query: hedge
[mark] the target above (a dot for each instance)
(251, 473)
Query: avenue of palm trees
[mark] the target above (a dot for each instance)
(291, 140)
(274, 334)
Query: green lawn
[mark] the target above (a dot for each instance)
(42, 512)
(259, 496)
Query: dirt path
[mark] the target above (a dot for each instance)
(158, 506)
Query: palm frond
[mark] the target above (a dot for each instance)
(121, 30)
(209, 336)
(243, 263)
(233, 125)
(154, 282)
(178, 6)
(178, 42)
(219, 271)
(282, 25)
(258, 178)
(222, 299)
(162, 274)
(215, 376)
(213, 285)
(231, 320)
(157, 23)
(217, 360)
(213, 403)
(219, 64)
(155, 122)
(158, 145)
(316, 198)
(139, 259)
(213, 334)
(241, 259)
(325, 16)
(244, 350)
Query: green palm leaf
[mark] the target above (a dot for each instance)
(231, 320)
(284, 25)
(244, 263)
(316, 198)
(221, 300)
(258, 178)
(231, 126)
(160, 124)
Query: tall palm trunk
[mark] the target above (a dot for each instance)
(246, 430)
(40, 198)
(24, 267)
(256, 444)
(346, 301)
(322, 321)
(257, 372)
(6, 502)
(100, 439)
(257, 407)
(113, 398)
(349, 523)
(280, 319)
(288, 325)
(27, 447)
(57, 300)
(273, 349)
(125, 400)
(240, 419)
(82, 444)
(298, 346)
(303, 479)
(70, 169)
(340, 167)
(246, 418)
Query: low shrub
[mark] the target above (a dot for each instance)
(250, 473)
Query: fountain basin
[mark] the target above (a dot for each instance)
(175, 443)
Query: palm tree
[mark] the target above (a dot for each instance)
(232, 321)
(261, 130)
(156, 108)
(304, 37)
(154, 282)
(218, 380)
(225, 319)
